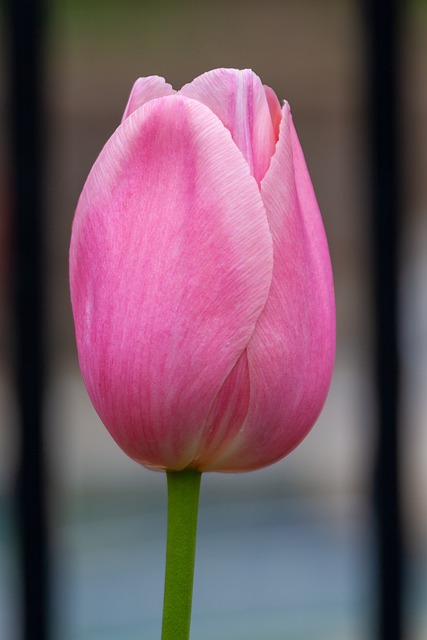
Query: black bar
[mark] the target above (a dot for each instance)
(383, 31)
(27, 155)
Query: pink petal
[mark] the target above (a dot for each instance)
(239, 100)
(275, 110)
(227, 415)
(170, 263)
(146, 89)
(292, 351)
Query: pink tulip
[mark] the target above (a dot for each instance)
(201, 281)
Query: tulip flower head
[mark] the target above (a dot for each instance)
(201, 281)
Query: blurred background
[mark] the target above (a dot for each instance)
(285, 552)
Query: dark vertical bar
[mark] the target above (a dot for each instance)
(383, 30)
(27, 149)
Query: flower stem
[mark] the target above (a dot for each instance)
(183, 505)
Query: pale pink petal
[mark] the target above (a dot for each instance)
(226, 416)
(171, 263)
(292, 351)
(144, 90)
(275, 110)
(239, 100)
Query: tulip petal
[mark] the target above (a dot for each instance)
(170, 267)
(226, 416)
(292, 351)
(146, 89)
(239, 100)
(275, 110)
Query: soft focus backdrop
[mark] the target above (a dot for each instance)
(283, 552)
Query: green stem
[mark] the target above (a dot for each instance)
(183, 504)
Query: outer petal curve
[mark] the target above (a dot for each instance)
(170, 268)
(146, 89)
(292, 352)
